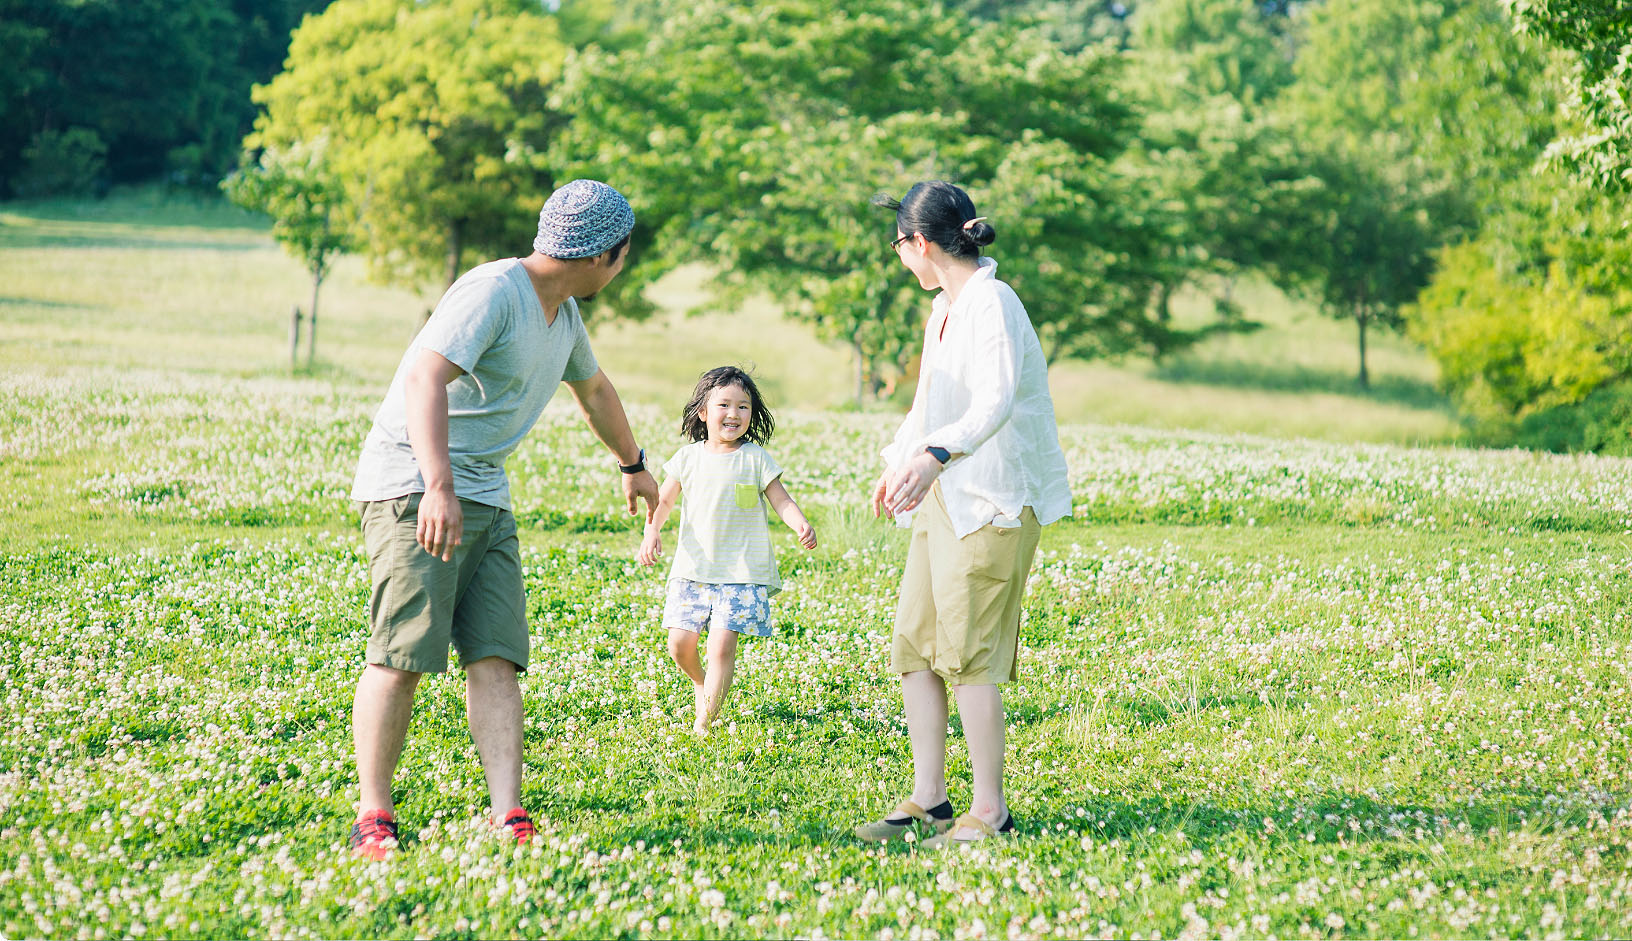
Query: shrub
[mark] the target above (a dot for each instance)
(1600, 423)
(63, 163)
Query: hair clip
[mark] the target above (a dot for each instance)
(970, 224)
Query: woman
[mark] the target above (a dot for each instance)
(979, 460)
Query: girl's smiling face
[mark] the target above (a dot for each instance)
(727, 413)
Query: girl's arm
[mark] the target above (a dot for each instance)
(790, 513)
(651, 545)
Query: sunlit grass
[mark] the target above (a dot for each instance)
(143, 280)
(1271, 687)
(1294, 376)
(1278, 718)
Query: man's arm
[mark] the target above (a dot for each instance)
(651, 544)
(441, 521)
(603, 410)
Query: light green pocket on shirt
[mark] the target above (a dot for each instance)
(747, 496)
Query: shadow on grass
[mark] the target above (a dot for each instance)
(1387, 831)
(1323, 819)
(28, 238)
(12, 300)
(1288, 377)
(142, 205)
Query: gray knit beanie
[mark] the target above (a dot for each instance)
(582, 219)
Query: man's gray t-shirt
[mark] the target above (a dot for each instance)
(491, 325)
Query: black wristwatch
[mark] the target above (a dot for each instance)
(637, 467)
(939, 454)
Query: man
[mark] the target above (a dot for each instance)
(443, 554)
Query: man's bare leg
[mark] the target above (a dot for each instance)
(379, 725)
(493, 701)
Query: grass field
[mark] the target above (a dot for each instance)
(1271, 685)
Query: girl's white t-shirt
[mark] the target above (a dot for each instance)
(725, 538)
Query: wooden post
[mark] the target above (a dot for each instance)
(294, 337)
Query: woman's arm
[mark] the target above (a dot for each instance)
(651, 544)
(790, 513)
(992, 374)
(991, 371)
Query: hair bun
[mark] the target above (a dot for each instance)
(979, 232)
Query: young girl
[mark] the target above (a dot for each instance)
(724, 571)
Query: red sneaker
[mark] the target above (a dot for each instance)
(374, 835)
(520, 825)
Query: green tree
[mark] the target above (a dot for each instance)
(163, 84)
(1368, 250)
(751, 137)
(1228, 176)
(1527, 310)
(1598, 36)
(1531, 322)
(435, 120)
(1194, 50)
(1072, 25)
(1416, 113)
(610, 24)
(307, 205)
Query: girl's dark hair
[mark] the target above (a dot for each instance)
(760, 425)
(938, 210)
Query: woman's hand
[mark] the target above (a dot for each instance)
(878, 494)
(906, 486)
(650, 548)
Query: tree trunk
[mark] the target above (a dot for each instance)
(1055, 344)
(1164, 303)
(861, 370)
(311, 328)
(294, 338)
(1360, 318)
(456, 249)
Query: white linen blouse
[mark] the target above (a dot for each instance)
(983, 394)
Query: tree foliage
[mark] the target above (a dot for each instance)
(1229, 182)
(1535, 315)
(1598, 36)
(1414, 114)
(1528, 313)
(297, 188)
(434, 120)
(751, 137)
(162, 84)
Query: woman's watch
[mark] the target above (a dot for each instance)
(637, 467)
(939, 454)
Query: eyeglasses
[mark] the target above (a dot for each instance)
(896, 245)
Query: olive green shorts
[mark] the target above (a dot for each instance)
(959, 613)
(420, 604)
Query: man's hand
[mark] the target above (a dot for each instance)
(644, 486)
(441, 523)
(650, 549)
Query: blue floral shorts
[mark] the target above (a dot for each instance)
(698, 607)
